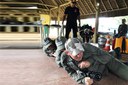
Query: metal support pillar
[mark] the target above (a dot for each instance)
(58, 19)
(97, 20)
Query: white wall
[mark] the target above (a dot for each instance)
(106, 24)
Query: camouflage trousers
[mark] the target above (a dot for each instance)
(118, 68)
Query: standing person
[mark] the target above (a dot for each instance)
(71, 14)
(122, 30)
(86, 63)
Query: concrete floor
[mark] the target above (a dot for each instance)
(30, 67)
(20, 40)
(33, 67)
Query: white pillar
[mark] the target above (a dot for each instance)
(8, 28)
(20, 29)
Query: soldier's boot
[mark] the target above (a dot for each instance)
(118, 54)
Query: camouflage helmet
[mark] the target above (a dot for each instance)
(74, 46)
(60, 41)
(49, 46)
(47, 42)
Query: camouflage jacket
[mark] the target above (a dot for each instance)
(97, 57)
(58, 57)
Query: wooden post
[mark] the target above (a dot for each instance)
(58, 19)
(97, 20)
(49, 21)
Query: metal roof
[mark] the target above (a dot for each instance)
(108, 8)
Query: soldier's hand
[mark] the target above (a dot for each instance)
(84, 64)
(88, 81)
(52, 55)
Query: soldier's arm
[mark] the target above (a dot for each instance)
(73, 73)
(78, 17)
(77, 77)
(58, 58)
(98, 54)
(92, 65)
(64, 17)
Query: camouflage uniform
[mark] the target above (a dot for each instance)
(60, 41)
(100, 60)
(49, 47)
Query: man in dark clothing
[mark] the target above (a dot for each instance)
(122, 30)
(72, 14)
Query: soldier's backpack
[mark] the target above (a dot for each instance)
(86, 32)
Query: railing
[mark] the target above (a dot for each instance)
(19, 29)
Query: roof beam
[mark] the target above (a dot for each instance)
(61, 5)
(60, 1)
(92, 5)
(115, 10)
(7, 13)
(65, 4)
(103, 5)
(54, 2)
(53, 8)
(110, 4)
(45, 6)
(24, 8)
(125, 3)
(88, 6)
(28, 3)
(116, 4)
(83, 7)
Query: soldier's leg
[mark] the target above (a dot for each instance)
(75, 32)
(118, 68)
(68, 29)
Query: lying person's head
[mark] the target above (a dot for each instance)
(75, 48)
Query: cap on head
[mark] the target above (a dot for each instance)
(74, 46)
